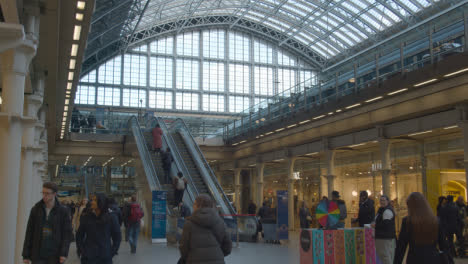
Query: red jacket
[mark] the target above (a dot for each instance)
(157, 134)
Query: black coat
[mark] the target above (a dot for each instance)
(61, 231)
(450, 218)
(205, 238)
(366, 213)
(93, 238)
(417, 254)
(303, 213)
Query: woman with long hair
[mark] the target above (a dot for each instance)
(420, 229)
(98, 237)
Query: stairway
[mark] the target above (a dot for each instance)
(190, 164)
(157, 161)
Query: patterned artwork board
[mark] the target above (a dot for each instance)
(350, 246)
(360, 246)
(305, 245)
(329, 246)
(340, 254)
(370, 246)
(318, 250)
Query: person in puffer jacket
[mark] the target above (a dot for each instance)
(204, 237)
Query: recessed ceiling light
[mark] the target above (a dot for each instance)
(374, 99)
(81, 5)
(79, 16)
(426, 82)
(74, 50)
(399, 91)
(72, 64)
(352, 106)
(77, 32)
(70, 76)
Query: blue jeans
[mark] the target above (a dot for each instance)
(133, 231)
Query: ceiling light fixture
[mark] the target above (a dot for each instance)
(310, 154)
(72, 64)
(81, 5)
(426, 82)
(280, 129)
(399, 91)
(357, 145)
(305, 121)
(79, 16)
(352, 106)
(291, 126)
(455, 73)
(74, 50)
(339, 110)
(374, 99)
(450, 127)
(420, 133)
(77, 32)
(318, 117)
(269, 133)
(70, 76)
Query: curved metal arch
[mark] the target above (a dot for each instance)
(94, 59)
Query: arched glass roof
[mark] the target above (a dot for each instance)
(328, 27)
(320, 30)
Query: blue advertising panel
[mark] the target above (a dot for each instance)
(282, 215)
(158, 225)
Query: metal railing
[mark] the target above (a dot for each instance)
(431, 42)
(203, 166)
(178, 160)
(145, 156)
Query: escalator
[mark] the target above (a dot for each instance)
(198, 169)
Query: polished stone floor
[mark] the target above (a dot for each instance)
(245, 253)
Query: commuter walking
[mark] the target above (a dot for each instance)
(441, 204)
(252, 208)
(133, 220)
(84, 208)
(304, 216)
(343, 211)
(461, 225)
(157, 140)
(167, 160)
(180, 183)
(115, 210)
(421, 231)
(125, 214)
(98, 237)
(450, 221)
(183, 210)
(366, 213)
(385, 233)
(49, 230)
(204, 236)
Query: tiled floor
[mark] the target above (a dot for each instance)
(246, 253)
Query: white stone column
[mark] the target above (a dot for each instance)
(33, 102)
(260, 170)
(291, 181)
(14, 65)
(237, 189)
(384, 145)
(330, 160)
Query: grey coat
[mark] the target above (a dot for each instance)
(205, 238)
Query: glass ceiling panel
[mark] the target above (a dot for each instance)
(327, 27)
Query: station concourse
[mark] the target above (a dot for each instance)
(255, 99)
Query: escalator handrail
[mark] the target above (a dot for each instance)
(148, 165)
(206, 165)
(192, 192)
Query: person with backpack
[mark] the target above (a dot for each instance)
(180, 183)
(115, 210)
(133, 221)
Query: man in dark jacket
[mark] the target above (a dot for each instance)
(450, 220)
(366, 213)
(167, 160)
(115, 210)
(204, 237)
(49, 230)
(343, 211)
(461, 225)
(252, 209)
